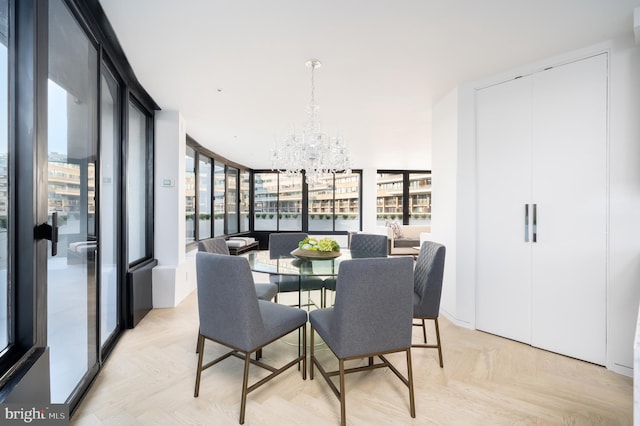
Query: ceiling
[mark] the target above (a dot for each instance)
(236, 69)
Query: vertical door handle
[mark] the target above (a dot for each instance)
(535, 223)
(44, 231)
(526, 223)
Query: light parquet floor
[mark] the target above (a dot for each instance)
(486, 380)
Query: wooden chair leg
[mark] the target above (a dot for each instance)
(200, 351)
(245, 383)
(343, 411)
(312, 355)
(439, 344)
(412, 402)
(304, 352)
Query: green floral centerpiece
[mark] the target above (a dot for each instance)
(312, 248)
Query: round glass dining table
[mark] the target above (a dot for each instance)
(261, 261)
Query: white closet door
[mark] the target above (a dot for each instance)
(504, 174)
(569, 188)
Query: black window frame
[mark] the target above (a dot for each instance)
(27, 261)
(130, 99)
(219, 160)
(305, 204)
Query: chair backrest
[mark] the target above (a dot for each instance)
(369, 245)
(214, 245)
(282, 244)
(428, 275)
(227, 303)
(372, 312)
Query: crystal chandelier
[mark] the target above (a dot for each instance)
(314, 152)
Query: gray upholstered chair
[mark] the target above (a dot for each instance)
(428, 275)
(264, 291)
(371, 317)
(369, 245)
(231, 317)
(281, 245)
(361, 245)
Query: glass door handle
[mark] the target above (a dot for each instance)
(44, 231)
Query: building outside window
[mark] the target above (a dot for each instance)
(403, 196)
(420, 198)
(217, 195)
(265, 204)
(389, 198)
(289, 203)
(332, 205)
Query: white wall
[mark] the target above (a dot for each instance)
(444, 194)
(624, 214)
(454, 162)
(174, 277)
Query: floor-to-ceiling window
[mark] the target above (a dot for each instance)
(5, 324)
(219, 203)
(265, 201)
(110, 137)
(232, 200)
(420, 198)
(138, 205)
(218, 192)
(245, 200)
(277, 202)
(404, 196)
(348, 194)
(334, 203)
(290, 203)
(190, 195)
(204, 196)
(390, 198)
(72, 154)
(285, 203)
(63, 78)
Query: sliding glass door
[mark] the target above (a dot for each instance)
(109, 206)
(5, 326)
(72, 156)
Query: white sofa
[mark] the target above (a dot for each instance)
(407, 239)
